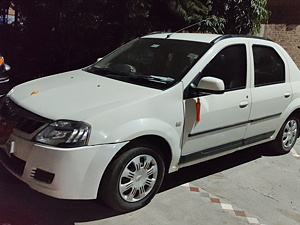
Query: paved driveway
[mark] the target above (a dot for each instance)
(252, 186)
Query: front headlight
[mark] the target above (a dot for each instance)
(64, 133)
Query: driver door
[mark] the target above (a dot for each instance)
(223, 117)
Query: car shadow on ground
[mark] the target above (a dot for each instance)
(204, 169)
(20, 205)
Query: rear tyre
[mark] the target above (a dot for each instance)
(132, 179)
(287, 135)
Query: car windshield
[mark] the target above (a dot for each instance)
(156, 63)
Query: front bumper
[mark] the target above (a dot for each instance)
(65, 173)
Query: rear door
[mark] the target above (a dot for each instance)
(271, 92)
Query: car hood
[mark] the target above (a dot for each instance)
(76, 95)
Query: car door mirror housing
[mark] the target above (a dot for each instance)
(6, 67)
(211, 85)
(3, 66)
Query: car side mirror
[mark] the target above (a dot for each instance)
(6, 67)
(211, 85)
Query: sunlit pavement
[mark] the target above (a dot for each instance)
(253, 186)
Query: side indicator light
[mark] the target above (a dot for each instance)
(1, 60)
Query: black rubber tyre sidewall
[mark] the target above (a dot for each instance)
(278, 147)
(109, 191)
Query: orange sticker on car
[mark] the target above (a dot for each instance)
(34, 92)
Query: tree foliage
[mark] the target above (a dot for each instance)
(235, 16)
(223, 16)
(52, 36)
(190, 10)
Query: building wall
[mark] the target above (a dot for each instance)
(287, 35)
(284, 11)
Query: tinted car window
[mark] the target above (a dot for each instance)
(268, 66)
(229, 65)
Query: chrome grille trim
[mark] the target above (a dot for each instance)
(23, 119)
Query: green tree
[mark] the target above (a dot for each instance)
(223, 16)
(53, 36)
(236, 16)
(189, 10)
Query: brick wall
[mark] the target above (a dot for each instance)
(288, 36)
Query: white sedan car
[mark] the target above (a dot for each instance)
(159, 103)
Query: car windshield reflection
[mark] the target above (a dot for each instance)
(157, 63)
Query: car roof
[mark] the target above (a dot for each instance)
(199, 37)
(208, 38)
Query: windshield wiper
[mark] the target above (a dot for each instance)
(108, 72)
(160, 79)
(152, 78)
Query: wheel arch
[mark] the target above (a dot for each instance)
(285, 138)
(292, 110)
(154, 141)
(296, 113)
(161, 147)
(146, 141)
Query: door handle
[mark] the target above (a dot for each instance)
(244, 104)
(287, 94)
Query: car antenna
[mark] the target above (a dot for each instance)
(169, 35)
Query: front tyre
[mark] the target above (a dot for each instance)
(287, 136)
(132, 179)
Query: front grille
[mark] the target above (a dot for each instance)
(21, 118)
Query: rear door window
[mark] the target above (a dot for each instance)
(268, 66)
